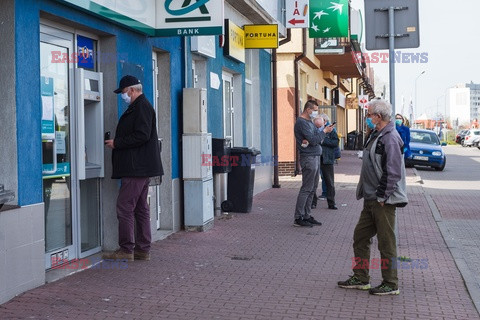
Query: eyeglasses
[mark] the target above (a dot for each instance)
(370, 114)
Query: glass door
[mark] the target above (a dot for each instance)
(228, 107)
(56, 71)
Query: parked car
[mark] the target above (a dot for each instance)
(470, 137)
(426, 150)
(460, 135)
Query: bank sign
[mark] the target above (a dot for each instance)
(161, 18)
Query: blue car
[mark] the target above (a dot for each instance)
(426, 150)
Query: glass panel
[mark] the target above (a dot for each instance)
(227, 108)
(90, 214)
(56, 146)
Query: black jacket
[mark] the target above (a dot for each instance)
(136, 152)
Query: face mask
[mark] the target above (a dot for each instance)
(398, 122)
(314, 114)
(321, 128)
(370, 124)
(126, 98)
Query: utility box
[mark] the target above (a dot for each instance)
(198, 204)
(194, 110)
(197, 156)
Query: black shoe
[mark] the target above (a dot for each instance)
(313, 221)
(333, 207)
(314, 206)
(302, 223)
(383, 290)
(354, 283)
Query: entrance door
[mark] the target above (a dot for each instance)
(228, 111)
(58, 190)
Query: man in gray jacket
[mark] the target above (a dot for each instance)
(309, 156)
(383, 188)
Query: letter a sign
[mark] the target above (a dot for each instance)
(297, 13)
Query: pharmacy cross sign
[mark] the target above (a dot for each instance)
(328, 19)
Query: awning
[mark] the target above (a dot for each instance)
(346, 65)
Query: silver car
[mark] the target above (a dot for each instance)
(471, 138)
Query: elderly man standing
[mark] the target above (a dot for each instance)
(135, 158)
(309, 160)
(383, 188)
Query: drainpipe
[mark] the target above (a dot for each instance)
(276, 183)
(297, 96)
(346, 113)
(338, 94)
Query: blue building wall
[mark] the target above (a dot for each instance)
(265, 74)
(133, 47)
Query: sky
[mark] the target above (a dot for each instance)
(449, 36)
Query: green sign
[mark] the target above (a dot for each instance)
(328, 19)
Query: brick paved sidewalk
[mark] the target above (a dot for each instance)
(258, 266)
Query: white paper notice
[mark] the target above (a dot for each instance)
(214, 81)
(47, 108)
(60, 141)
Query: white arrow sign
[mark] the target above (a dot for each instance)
(297, 13)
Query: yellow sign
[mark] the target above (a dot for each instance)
(261, 36)
(234, 41)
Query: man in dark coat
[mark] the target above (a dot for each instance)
(135, 158)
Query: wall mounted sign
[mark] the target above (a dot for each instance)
(261, 36)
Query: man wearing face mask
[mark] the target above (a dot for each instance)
(382, 186)
(309, 161)
(135, 158)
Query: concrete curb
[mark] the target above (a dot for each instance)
(473, 286)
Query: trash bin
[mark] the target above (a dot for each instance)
(221, 155)
(351, 140)
(241, 180)
(221, 167)
(5, 196)
(359, 140)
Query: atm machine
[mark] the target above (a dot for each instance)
(90, 157)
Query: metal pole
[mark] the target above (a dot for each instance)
(391, 46)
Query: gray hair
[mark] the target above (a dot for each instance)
(318, 118)
(137, 87)
(325, 117)
(381, 107)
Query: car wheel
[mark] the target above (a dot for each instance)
(462, 142)
(442, 166)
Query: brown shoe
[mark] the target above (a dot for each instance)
(118, 255)
(141, 255)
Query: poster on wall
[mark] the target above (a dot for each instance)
(48, 115)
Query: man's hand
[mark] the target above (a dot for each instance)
(109, 143)
(328, 129)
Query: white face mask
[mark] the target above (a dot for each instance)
(314, 114)
(126, 98)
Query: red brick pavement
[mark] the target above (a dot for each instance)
(258, 266)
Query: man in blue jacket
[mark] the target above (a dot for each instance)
(383, 188)
(135, 158)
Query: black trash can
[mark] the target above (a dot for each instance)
(241, 180)
(351, 140)
(359, 140)
(221, 155)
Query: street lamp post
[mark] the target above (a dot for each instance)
(411, 120)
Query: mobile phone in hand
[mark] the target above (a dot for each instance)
(334, 123)
(107, 135)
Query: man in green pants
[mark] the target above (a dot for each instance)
(383, 188)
